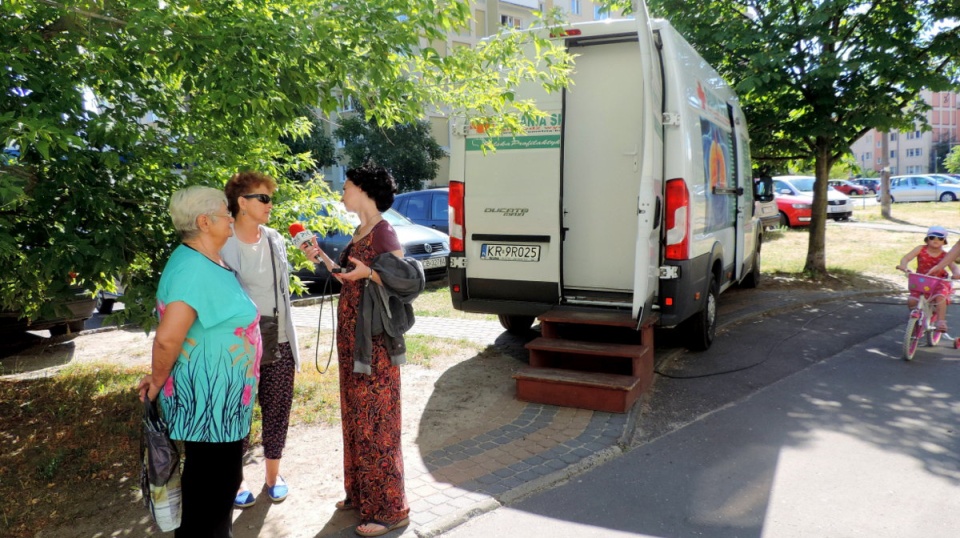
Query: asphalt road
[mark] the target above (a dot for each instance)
(818, 429)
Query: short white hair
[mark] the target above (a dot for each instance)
(189, 203)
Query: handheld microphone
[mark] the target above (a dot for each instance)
(300, 235)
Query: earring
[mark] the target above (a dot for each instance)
(243, 212)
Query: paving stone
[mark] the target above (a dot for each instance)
(504, 473)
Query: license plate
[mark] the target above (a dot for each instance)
(433, 263)
(837, 209)
(510, 253)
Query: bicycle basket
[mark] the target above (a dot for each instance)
(928, 285)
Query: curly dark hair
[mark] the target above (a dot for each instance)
(377, 182)
(242, 183)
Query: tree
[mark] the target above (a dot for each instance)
(939, 151)
(408, 150)
(315, 149)
(813, 77)
(952, 161)
(114, 105)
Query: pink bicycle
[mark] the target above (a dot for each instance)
(923, 317)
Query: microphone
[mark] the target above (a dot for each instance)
(300, 235)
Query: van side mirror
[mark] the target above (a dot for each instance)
(763, 189)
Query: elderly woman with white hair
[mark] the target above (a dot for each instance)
(206, 361)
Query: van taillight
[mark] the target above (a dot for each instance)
(678, 220)
(457, 228)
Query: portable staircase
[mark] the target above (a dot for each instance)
(588, 358)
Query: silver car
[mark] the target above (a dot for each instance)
(921, 188)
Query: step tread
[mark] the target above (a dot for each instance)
(614, 318)
(577, 377)
(588, 348)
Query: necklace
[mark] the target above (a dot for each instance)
(364, 229)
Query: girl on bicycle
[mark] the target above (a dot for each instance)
(929, 255)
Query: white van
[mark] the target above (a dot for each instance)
(634, 194)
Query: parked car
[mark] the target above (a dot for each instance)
(794, 196)
(764, 205)
(872, 185)
(59, 317)
(847, 187)
(430, 246)
(427, 208)
(921, 188)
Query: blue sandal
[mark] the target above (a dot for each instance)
(244, 499)
(278, 492)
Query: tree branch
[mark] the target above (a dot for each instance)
(83, 12)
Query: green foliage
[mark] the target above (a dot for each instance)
(408, 150)
(952, 162)
(116, 105)
(313, 150)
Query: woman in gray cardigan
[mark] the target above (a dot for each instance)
(258, 255)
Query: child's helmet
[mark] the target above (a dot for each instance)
(938, 231)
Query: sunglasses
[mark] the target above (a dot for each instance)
(932, 237)
(264, 198)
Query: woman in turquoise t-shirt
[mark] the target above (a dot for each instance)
(206, 361)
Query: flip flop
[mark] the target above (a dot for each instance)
(345, 504)
(384, 527)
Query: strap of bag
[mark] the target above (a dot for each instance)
(273, 265)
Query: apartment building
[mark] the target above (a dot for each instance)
(914, 151)
(488, 17)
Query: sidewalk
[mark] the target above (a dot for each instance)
(518, 448)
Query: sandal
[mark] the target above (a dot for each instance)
(942, 326)
(384, 527)
(345, 504)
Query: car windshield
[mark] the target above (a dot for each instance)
(803, 185)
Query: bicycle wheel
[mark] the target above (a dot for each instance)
(911, 338)
(933, 335)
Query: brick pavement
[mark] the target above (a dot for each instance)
(514, 448)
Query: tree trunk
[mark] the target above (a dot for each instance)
(816, 264)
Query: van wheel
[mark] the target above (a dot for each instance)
(784, 221)
(104, 306)
(702, 327)
(515, 324)
(752, 280)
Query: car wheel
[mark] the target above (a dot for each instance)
(784, 220)
(76, 326)
(58, 330)
(947, 197)
(703, 325)
(104, 306)
(515, 324)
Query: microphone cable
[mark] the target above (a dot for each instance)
(327, 289)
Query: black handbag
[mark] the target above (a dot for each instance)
(270, 325)
(160, 472)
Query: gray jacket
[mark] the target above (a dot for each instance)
(387, 309)
(231, 255)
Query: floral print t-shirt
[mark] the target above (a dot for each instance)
(210, 392)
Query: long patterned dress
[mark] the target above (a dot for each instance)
(370, 404)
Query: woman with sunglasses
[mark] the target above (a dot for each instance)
(258, 255)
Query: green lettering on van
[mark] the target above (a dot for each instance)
(523, 142)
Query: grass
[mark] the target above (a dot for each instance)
(856, 256)
(74, 434)
(435, 301)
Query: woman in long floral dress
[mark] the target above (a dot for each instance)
(369, 402)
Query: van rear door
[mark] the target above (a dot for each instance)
(601, 174)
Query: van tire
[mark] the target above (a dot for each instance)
(752, 279)
(702, 327)
(515, 324)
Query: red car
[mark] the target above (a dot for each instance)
(846, 187)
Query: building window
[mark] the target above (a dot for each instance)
(575, 7)
(510, 21)
(867, 156)
(879, 143)
(893, 154)
(893, 137)
(597, 16)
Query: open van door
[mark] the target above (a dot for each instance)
(650, 201)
